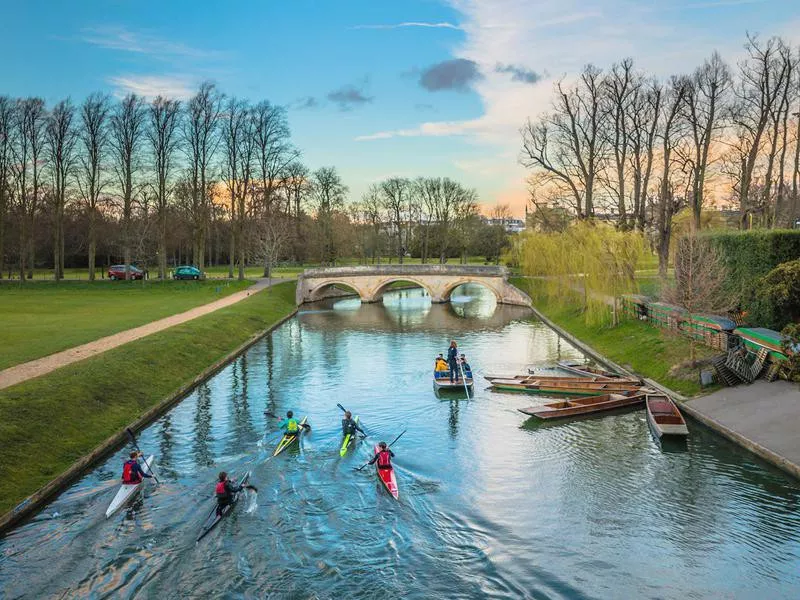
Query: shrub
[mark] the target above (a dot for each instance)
(778, 294)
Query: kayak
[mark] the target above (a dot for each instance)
(387, 477)
(349, 439)
(127, 490)
(212, 519)
(288, 440)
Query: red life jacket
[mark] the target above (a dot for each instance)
(127, 473)
(220, 490)
(384, 459)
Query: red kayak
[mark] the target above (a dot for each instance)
(387, 477)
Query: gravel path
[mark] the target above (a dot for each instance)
(41, 366)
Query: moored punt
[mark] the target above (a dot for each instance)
(583, 406)
(565, 388)
(584, 370)
(664, 417)
(562, 379)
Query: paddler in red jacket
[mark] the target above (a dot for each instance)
(384, 457)
(225, 491)
(132, 472)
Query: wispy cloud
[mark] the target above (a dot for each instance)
(348, 97)
(723, 3)
(178, 87)
(521, 74)
(442, 25)
(305, 103)
(456, 74)
(142, 42)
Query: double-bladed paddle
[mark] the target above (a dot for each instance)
(139, 450)
(387, 447)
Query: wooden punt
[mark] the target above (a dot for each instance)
(584, 370)
(565, 388)
(583, 406)
(443, 383)
(664, 417)
(561, 379)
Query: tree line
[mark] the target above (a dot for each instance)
(209, 181)
(622, 143)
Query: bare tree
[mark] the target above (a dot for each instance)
(645, 119)
(567, 145)
(620, 88)
(762, 78)
(700, 277)
(28, 155)
(7, 134)
(62, 139)
(670, 137)
(127, 130)
(164, 118)
(396, 193)
(328, 193)
(371, 210)
(705, 102)
(200, 133)
(94, 141)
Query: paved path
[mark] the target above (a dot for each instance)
(765, 416)
(41, 366)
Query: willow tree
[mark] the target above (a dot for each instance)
(590, 263)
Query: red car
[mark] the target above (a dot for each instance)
(118, 272)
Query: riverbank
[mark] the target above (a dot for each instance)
(48, 423)
(650, 352)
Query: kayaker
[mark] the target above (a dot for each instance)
(349, 426)
(384, 457)
(132, 471)
(225, 491)
(441, 364)
(291, 426)
(465, 367)
(452, 360)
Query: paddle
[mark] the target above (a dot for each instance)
(389, 446)
(364, 436)
(139, 450)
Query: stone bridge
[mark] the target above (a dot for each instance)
(370, 282)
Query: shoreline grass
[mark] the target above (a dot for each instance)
(48, 423)
(47, 317)
(649, 351)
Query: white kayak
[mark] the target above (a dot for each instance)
(127, 490)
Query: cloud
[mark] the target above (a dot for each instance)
(305, 103)
(455, 74)
(124, 40)
(178, 87)
(348, 97)
(520, 74)
(443, 25)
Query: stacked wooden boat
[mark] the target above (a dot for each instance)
(591, 390)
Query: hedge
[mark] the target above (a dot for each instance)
(749, 256)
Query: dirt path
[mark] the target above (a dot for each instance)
(41, 366)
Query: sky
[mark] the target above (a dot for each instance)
(375, 88)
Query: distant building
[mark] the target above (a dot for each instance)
(511, 225)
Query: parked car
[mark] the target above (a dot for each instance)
(118, 272)
(187, 272)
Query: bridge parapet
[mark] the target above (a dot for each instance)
(370, 282)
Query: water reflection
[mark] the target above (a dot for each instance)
(490, 505)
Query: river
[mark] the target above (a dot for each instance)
(491, 505)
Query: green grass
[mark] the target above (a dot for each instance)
(649, 351)
(41, 318)
(48, 423)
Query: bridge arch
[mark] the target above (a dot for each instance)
(329, 289)
(382, 287)
(448, 290)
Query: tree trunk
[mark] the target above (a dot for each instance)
(92, 243)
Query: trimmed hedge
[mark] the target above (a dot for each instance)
(749, 256)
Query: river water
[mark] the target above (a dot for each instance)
(490, 505)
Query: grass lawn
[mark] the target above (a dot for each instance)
(647, 350)
(45, 317)
(47, 423)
